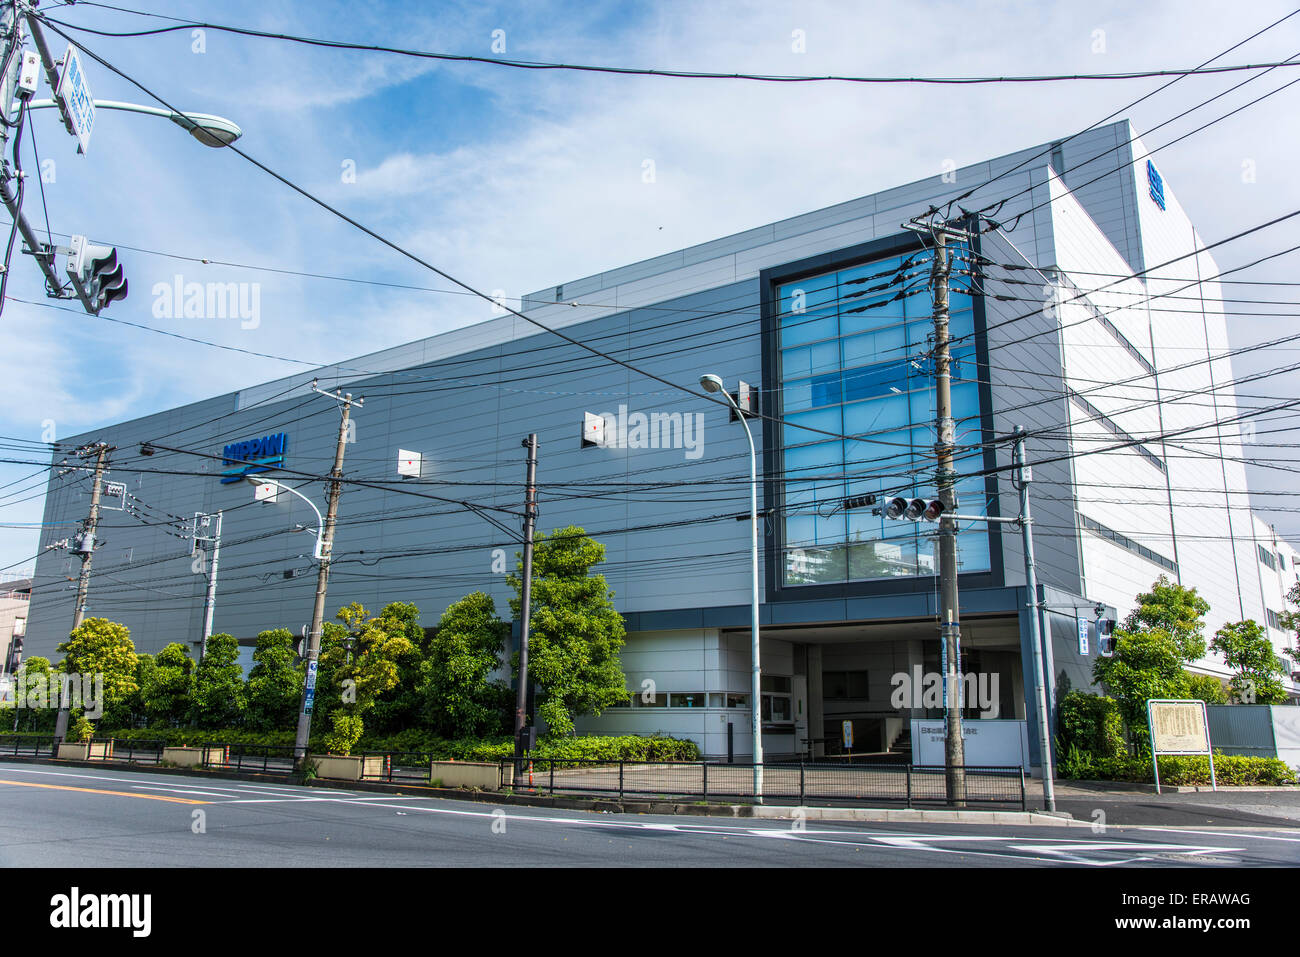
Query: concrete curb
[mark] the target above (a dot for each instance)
(600, 805)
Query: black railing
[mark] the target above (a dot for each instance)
(400, 766)
(135, 751)
(803, 782)
(27, 745)
(262, 758)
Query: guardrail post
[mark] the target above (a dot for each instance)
(552, 779)
(705, 767)
(620, 779)
(908, 774)
(1023, 802)
(802, 791)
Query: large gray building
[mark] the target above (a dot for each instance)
(1059, 328)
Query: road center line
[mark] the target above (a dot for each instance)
(130, 794)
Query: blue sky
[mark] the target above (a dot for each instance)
(517, 180)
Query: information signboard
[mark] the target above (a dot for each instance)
(1178, 726)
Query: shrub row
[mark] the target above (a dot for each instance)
(1229, 769)
(624, 748)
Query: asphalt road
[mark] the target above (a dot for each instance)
(57, 817)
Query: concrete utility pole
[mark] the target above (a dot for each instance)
(210, 603)
(950, 622)
(10, 93)
(83, 545)
(1024, 476)
(323, 572)
(526, 598)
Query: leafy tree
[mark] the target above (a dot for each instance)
(274, 690)
(1178, 611)
(400, 707)
(35, 678)
(99, 646)
(1206, 688)
(362, 665)
(166, 695)
(466, 648)
(218, 699)
(1247, 650)
(576, 633)
(1290, 621)
(129, 712)
(1147, 664)
(80, 729)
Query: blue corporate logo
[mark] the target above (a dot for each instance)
(1156, 185)
(254, 455)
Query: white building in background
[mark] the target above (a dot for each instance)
(1086, 311)
(15, 595)
(1278, 575)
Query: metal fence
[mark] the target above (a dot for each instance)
(134, 751)
(413, 767)
(805, 782)
(263, 758)
(27, 745)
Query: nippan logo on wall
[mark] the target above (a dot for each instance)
(1156, 185)
(253, 456)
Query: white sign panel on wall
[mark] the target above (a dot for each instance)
(990, 743)
(1178, 726)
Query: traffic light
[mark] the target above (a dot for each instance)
(1106, 637)
(96, 274)
(914, 509)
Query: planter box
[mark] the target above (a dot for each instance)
(193, 757)
(346, 767)
(86, 751)
(471, 774)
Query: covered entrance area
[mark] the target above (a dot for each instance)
(851, 691)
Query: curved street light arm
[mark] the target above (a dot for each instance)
(207, 128)
(320, 521)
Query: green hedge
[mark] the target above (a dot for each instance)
(1092, 723)
(625, 748)
(1229, 769)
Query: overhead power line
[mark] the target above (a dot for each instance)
(546, 66)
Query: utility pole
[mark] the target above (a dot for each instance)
(1023, 476)
(950, 620)
(83, 545)
(210, 603)
(525, 603)
(11, 63)
(323, 571)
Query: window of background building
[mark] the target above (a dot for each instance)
(776, 699)
(1266, 557)
(854, 359)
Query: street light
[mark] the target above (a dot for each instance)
(320, 522)
(210, 130)
(713, 383)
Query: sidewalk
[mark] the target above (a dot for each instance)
(1174, 807)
